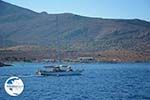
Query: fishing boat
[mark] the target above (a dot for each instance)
(59, 70)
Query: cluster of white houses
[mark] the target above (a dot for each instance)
(79, 59)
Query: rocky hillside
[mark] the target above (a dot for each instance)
(66, 31)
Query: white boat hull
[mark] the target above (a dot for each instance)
(69, 73)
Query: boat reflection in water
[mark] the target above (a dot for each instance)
(59, 70)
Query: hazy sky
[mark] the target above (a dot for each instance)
(125, 9)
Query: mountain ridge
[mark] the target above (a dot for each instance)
(67, 31)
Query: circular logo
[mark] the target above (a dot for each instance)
(14, 86)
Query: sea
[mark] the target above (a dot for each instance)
(99, 81)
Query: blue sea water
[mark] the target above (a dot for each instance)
(99, 81)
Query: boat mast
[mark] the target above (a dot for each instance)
(58, 41)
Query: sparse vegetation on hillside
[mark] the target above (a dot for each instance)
(24, 30)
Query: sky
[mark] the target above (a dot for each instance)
(115, 9)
